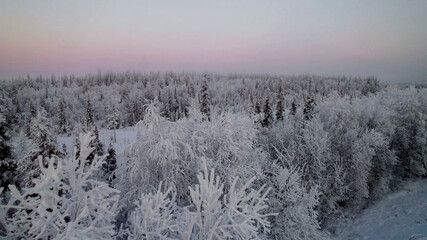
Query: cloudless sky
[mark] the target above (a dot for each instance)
(383, 38)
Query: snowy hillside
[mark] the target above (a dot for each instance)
(401, 215)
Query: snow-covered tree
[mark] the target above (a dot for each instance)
(354, 144)
(280, 105)
(268, 114)
(410, 139)
(110, 165)
(97, 144)
(33, 110)
(89, 113)
(308, 108)
(169, 151)
(257, 107)
(7, 163)
(293, 108)
(112, 118)
(44, 143)
(230, 145)
(159, 154)
(296, 204)
(240, 213)
(66, 201)
(153, 217)
(21, 145)
(205, 99)
(62, 122)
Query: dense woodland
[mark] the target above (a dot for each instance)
(216, 156)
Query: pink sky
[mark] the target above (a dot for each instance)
(387, 39)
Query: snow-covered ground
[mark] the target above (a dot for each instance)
(123, 138)
(401, 216)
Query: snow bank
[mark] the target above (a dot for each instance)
(401, 215)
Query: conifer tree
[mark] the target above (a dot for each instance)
(191, 91)
(89, 113)
(65, 202)
(112, 118)
(97, 144)
(33, 110)
(257, 107)
(32, 114)
(41, 133)
(61, 115)
(110, 165)
(293, 108)
(205, 105)
(268, 114)
(7, 164)
(308, 108)
(279, 106)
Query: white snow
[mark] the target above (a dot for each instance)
(401, 216)
(124, 137)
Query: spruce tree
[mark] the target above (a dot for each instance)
(112, 120)
(89, 113)
(257, 107)
(7, 163)
(33, 110)
(97, 144)
(110, 165)
(191, 91)
(41, 133)
(32, 114)
(205, 105)
(293, 108)
(308, 108)
(268, 114)
(61, 115)
(279, 106)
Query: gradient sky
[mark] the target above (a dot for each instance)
(383, 38)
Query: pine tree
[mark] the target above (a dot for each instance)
(17, 113)
(28, 125)
(89, 113)
(32, 114)
(99, 147)
(33, 110)
(279, 106)
(257, 107)
(268, 114)
(21, 145)
(65, 202)
(110, 165)
(97, 144)
(61, 115)
(308, 108)
(205, 105)
(293, 108)
(191, 91)
(7, 164)
(41, 133)
(112, 118)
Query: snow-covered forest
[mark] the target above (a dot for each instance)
(202, 156)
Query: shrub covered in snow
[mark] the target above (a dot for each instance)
(240, 213)
(66, 201)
